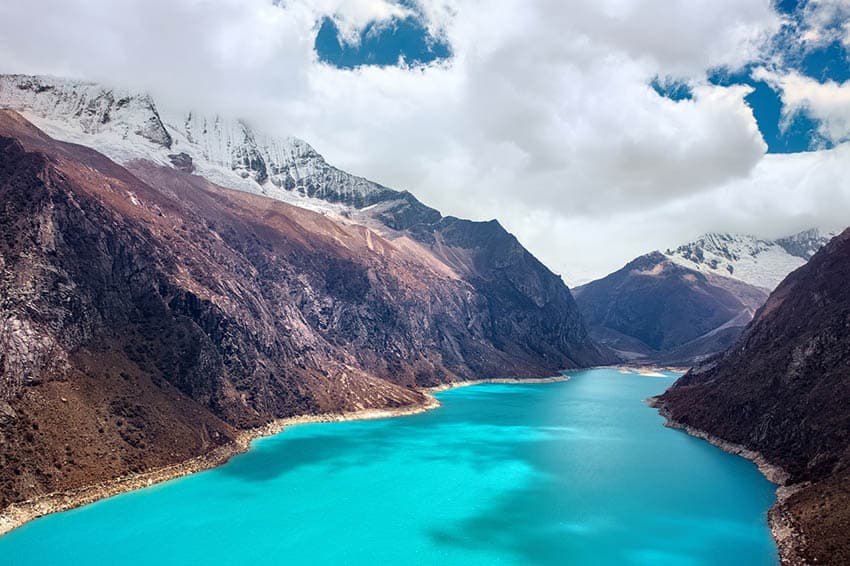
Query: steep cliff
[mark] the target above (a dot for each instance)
(530, 312)
(783, 389)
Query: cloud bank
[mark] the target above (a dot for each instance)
(544, 116)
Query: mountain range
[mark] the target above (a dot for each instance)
(127, 126)
(685, 305)
(172, 280)
(149, 314)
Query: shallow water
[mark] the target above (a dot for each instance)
(581, 472)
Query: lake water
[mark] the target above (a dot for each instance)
(581, 472)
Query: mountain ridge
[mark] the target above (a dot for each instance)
(126, 125)
(756, 261)
(654, 310)
(783, 390)
(234, 156)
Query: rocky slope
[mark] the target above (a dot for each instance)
(783, 390)
(520, 295)
(148, 314)
(655, 310)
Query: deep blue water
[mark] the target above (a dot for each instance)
(580, 472)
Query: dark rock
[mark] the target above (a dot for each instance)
(783, 389)
(170, 312)
(182, 162)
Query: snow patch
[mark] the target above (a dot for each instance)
(763, 263)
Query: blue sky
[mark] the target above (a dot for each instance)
(829, 61)
(381, 44)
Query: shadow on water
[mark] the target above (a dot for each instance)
(444, 442)
(549, 517)
(481, 438)
(530, 524)
(621, 512)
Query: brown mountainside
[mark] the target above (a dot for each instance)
(654, 310)
(147, 314)
(783, 390)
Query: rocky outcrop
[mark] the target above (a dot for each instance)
(148, 315)
(782, 390)
(804, 244)
(654, 310)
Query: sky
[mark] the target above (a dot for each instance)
(594, 130)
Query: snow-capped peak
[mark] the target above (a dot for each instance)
(94, 110)
(126, 125)
(759, 262)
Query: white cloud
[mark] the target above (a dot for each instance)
(784, 194)
(824, 22)
(543, 117)
(351, 16)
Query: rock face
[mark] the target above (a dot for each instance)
(783, 389)
(654, 310)
(529, 311)
(148, 314)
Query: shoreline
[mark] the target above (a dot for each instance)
(504, 380)
(784, 531)
(649, 370)
(18, 514)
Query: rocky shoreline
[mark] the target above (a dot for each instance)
(649, 370)
(18, 514)
(789, 539)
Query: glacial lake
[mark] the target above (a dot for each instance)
(579, 472)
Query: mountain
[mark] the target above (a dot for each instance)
(684, 305)
(149, 315)
(758, 262)
(657, 310)
(127, 126)
(783, 390)
(521, 296)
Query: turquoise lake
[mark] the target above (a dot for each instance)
(579, 472)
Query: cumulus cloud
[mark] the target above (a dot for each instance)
(543, 117)
(784, 194)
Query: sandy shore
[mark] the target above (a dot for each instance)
(456, 384)
(18, 514)
(786, 534)
(649, 371)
